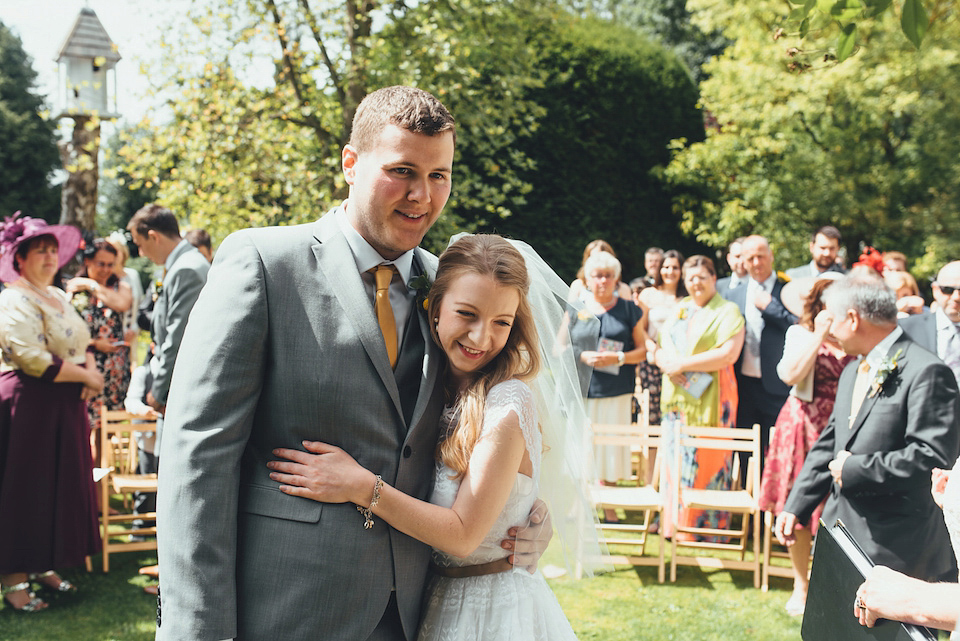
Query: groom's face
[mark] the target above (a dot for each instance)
(398, 187)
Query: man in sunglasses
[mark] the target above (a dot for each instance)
(938, 332)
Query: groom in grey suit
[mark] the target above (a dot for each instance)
(284, 346)
(887, 432)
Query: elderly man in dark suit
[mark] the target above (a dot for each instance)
(897, 417)
(939, 331)
(762, 393)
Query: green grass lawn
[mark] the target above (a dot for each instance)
(626, 605)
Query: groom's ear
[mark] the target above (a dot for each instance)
(348, 161)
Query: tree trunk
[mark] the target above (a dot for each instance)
(79, 155)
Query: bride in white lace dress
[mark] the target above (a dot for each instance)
(489, 459)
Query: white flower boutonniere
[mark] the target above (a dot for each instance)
(887, 367)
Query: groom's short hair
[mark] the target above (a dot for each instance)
(868, 296)
(409, 108)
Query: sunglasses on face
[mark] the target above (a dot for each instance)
(947, 290)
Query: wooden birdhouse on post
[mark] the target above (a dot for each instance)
(87, 64)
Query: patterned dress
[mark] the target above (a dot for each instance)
(115, 366)
(694, 330)
(797, 428)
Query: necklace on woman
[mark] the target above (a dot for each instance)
(42, 292)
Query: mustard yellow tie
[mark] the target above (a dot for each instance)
(860, 385)
(388, 324)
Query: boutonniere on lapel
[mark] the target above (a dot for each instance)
(782, 277)
(421, 284)
(887, 367)
(157, 289)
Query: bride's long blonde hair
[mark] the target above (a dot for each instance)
(486, 255)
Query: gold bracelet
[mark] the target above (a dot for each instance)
(367, 512)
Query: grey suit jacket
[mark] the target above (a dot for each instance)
(284, 346)
(808, 271)
(181, 288)
(899, 435)
(922, 329)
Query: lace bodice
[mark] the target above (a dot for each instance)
(509, 396)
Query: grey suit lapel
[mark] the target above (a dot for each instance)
(338, 273)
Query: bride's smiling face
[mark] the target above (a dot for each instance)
(474, 322)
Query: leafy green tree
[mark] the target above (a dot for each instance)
(669, 22)
(613, 102)
(869, 146)
(28, 141)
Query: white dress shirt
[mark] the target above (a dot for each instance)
(366, 257)
(754, 322)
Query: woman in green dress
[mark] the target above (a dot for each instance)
(699, 343)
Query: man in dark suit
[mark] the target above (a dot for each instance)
(738, 272)
(824, 247)
(897, 417)
(762, 393)
(939, 331)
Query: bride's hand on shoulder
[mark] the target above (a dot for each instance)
(323, 473)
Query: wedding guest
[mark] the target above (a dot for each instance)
(888, 594)
(47, 495)
(622, 343)
(102, 300)
(200, 239)
(131, 277)
(658, 303)
(579, 288)
(824, 248)
(811, 364)
(738, 271)
(698, 345)
(905, 287)
(894, 261)
(652, 260)
(896, 417)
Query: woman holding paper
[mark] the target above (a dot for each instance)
(699, 344)
(621, 346)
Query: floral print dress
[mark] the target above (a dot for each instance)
(107, 324)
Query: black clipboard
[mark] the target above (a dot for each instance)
(839, 567)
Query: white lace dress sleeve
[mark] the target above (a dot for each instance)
(506, 605)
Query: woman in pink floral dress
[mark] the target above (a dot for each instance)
(812, 363)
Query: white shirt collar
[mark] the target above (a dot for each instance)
(366, 256)
(881, 349)
(767, 284)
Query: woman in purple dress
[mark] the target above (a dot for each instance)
(48, 514)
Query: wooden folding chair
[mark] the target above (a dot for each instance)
(634, 498)
(118, 459)
(737, 501)
(640, 459)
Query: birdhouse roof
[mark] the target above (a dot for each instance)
(88, 39)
